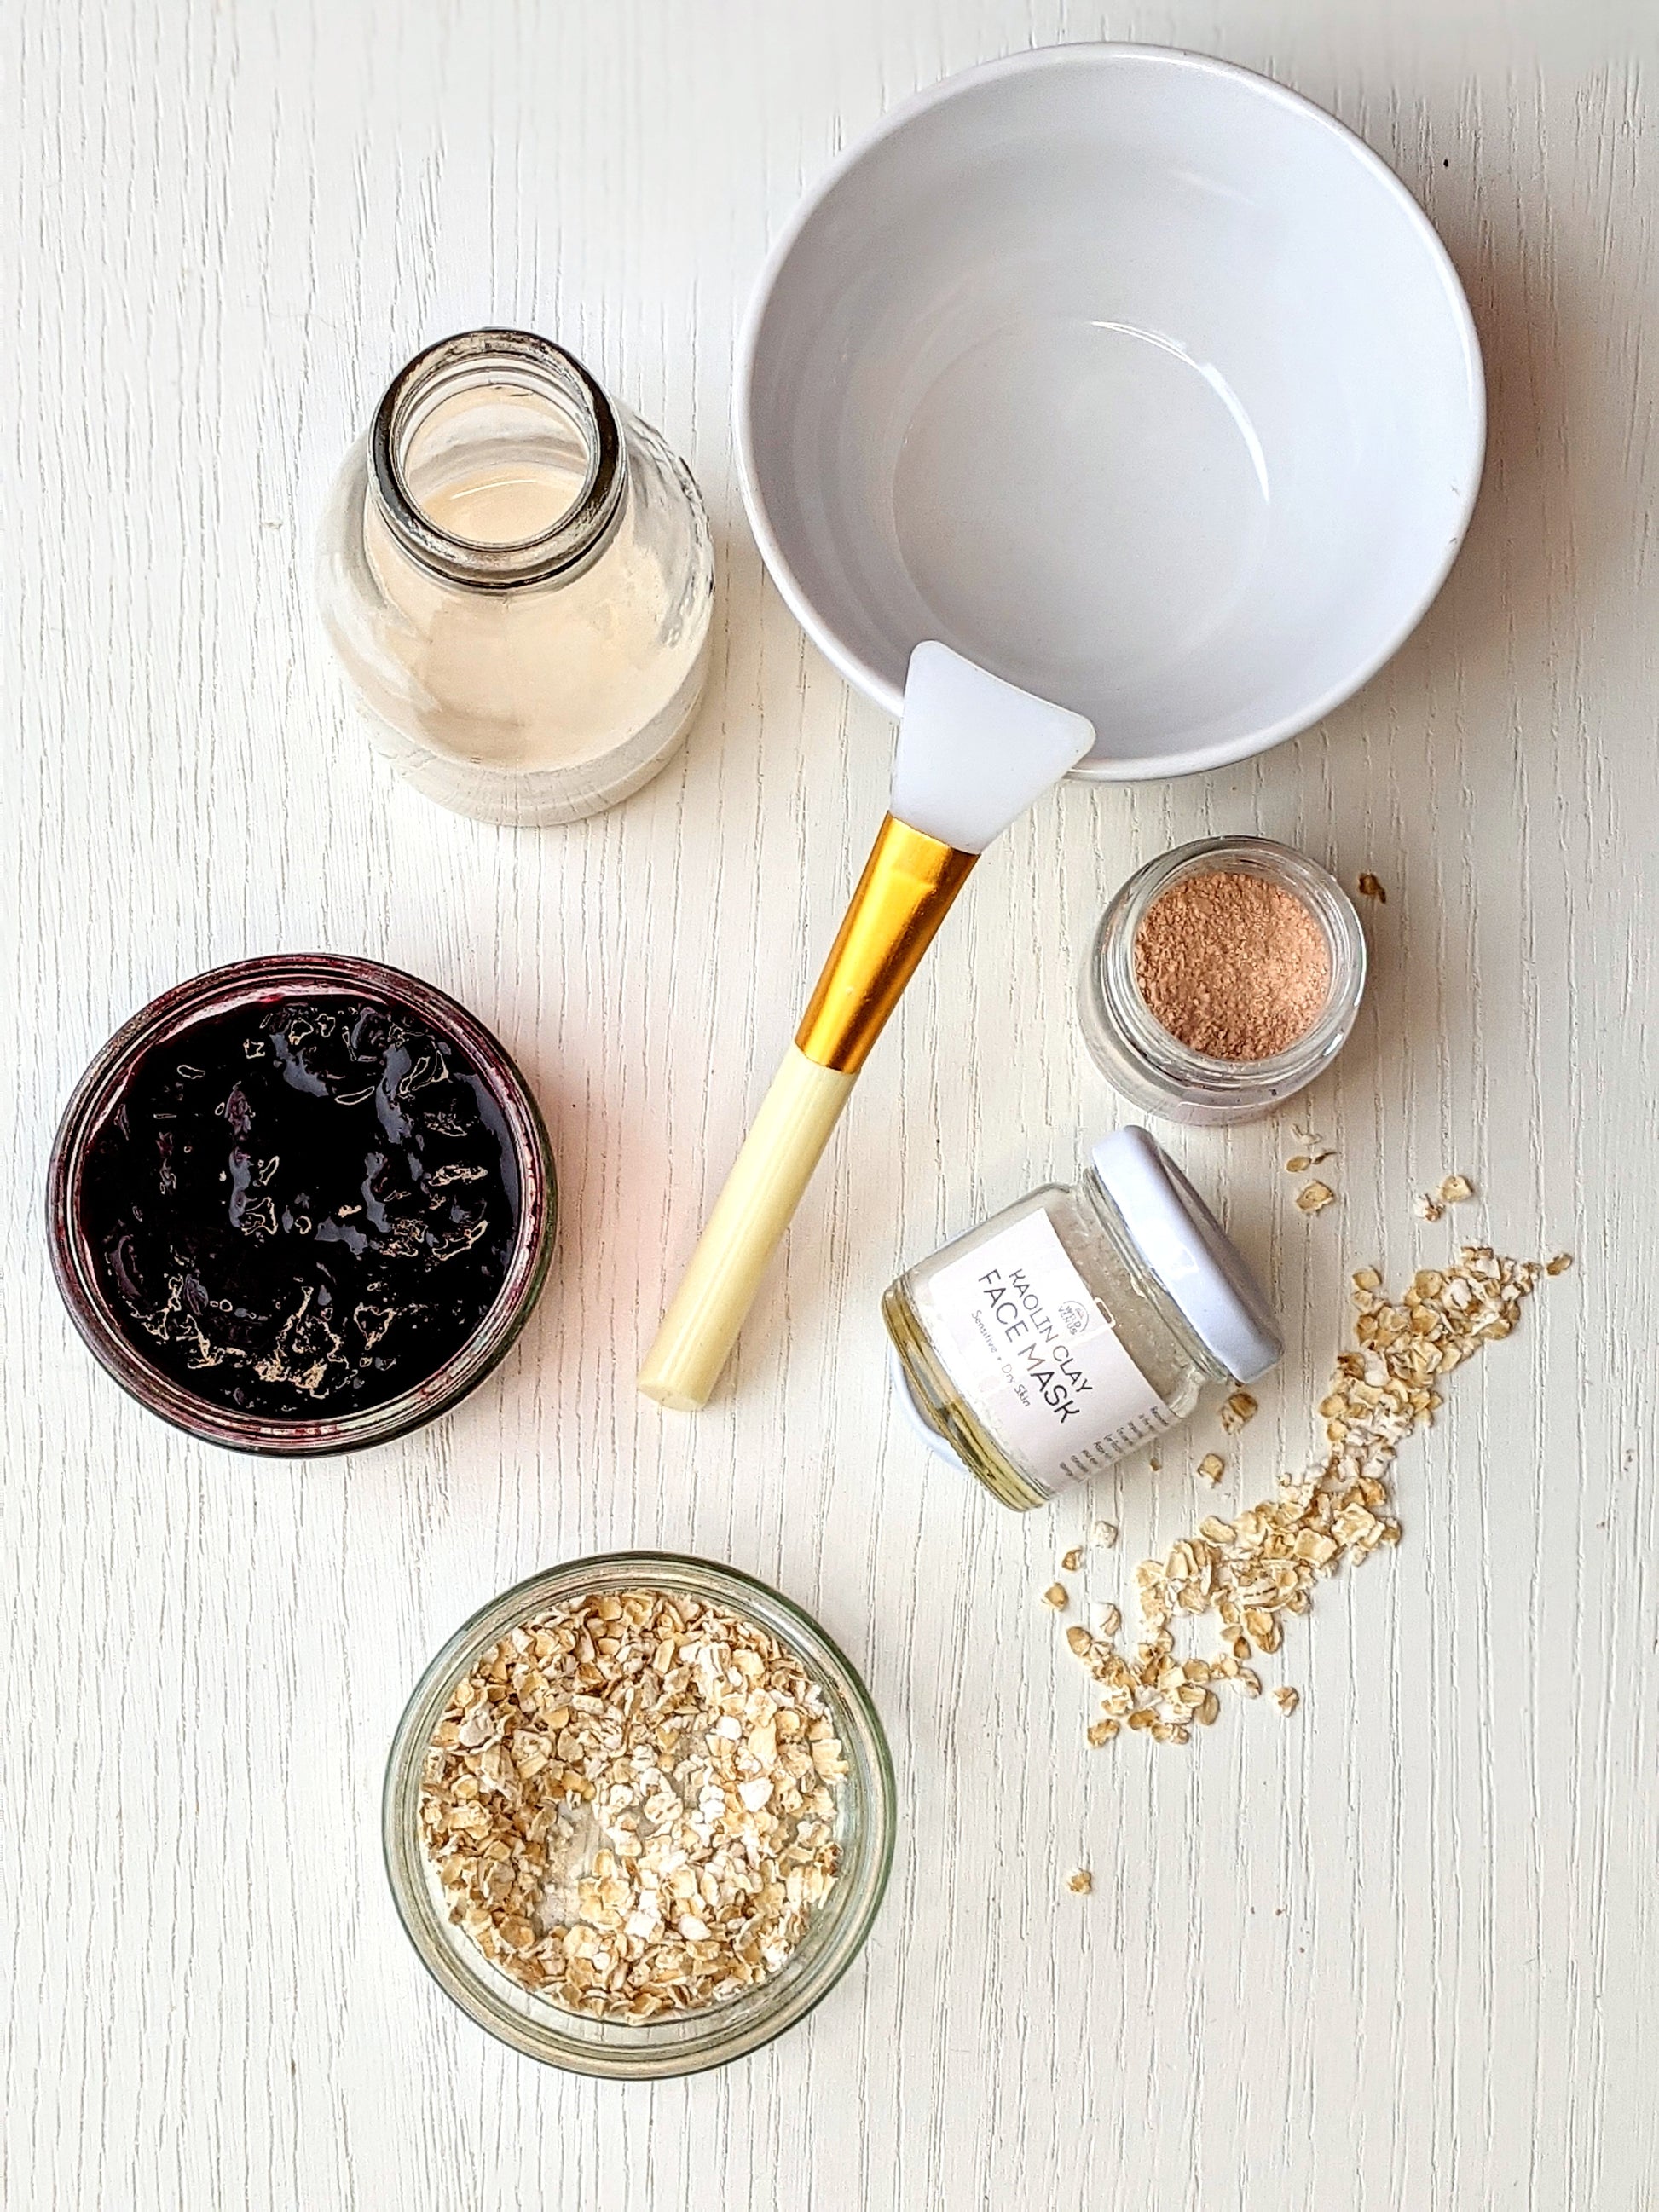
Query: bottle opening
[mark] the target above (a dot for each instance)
(496, 464)
(497, 460)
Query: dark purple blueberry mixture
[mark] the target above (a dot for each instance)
(302, 1210)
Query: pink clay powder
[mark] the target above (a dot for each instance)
(1232, 967)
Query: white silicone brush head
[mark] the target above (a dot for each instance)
(975, 752)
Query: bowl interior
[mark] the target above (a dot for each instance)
(1131, 376)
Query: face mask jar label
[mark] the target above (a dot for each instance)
(1036, 1357)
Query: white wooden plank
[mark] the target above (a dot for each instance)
(1398, 1952)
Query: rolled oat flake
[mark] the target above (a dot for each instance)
(1076, 1325)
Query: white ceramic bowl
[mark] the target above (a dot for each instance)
(1128, 374)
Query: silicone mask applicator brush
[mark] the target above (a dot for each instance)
(973, 754)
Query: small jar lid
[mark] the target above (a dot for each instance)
(1186, 1247)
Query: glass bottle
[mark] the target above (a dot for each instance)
(518, 576)
(1076, 1325)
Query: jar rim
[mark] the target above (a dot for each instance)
(535, 365)
(221, 990)
(1161, 1057)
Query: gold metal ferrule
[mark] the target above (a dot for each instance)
(904, 893)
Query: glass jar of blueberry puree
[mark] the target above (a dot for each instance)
(300, 1205)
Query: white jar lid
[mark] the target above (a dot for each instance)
(1186, 1247)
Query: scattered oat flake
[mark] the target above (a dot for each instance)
(1073, 1560)
(1079, 1639)
(1103, 1533)
(1427, 1207)
(1056, 1596)
(1213, 1466)
(1299, 1163)
(1236, 1411)
(1559, 1265)
(1371, 888)
(1454, 1190)
(1080, 1881)
(1315, 1197)
(1256, 1572)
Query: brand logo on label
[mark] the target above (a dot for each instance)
(1073, 1318)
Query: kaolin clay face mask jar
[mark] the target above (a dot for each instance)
(1076, 1325)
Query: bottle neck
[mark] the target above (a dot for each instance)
(496, 461)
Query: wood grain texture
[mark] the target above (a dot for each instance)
(1398, 1953)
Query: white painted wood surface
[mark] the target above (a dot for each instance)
(1399, 1951)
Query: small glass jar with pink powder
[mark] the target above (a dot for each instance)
(1224, 977)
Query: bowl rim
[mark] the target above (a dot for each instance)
(1091, 53)
(199, 998)
(402, 1849)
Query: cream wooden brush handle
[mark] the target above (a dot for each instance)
(904, 893)
(785, 1143)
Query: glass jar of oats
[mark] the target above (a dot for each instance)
(1076, 1324)
(518, 576)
